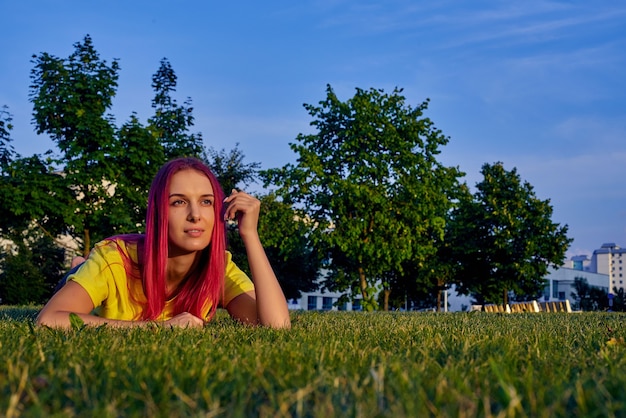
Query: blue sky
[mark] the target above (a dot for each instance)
(538, 85)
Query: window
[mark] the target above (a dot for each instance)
(327, 303)
(555, 289)
(356, 305)
(342, 306)
(311, 303)
(561, 295)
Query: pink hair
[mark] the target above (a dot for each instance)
(204, 285)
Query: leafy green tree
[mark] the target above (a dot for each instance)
(33, 194)
(230, 169)
(589, 298)
(70, 99)
(141, 154)
(503, 238)
(171, 122)
(370, 182)
(6, 149)
(30, 269)
(619, 300)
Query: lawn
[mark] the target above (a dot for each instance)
(330, 364)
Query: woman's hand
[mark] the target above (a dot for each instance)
(245, 209)
(266, 305)
(185, 319)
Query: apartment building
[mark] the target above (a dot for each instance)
(610, 260)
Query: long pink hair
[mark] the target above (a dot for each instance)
(203, 286)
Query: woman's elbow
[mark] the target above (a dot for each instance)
(278, 323)
(49, 319)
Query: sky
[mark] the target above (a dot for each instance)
(537, 85)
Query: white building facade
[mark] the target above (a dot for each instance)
(323, 300)
(560, 284)
(610, 260)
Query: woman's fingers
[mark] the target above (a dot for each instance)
(186, 319)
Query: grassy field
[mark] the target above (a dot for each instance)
(333, 364)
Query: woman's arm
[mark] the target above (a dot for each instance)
(73, 298)
(267, 305)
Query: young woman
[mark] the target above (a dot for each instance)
(179, 271)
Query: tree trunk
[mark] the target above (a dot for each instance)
(363, 284)
(386, 299)
(439, 301)
(86, 243)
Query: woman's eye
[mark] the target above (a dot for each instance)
(207, 202)
(177, 202)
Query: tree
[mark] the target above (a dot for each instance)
(619, 300)
(171, 122)
(370, 183)
(503, 239)
(142, 156)
(230, 169)
(589, 298)
(70, 99)
(6, 149)
(29, 270)
(33, 199)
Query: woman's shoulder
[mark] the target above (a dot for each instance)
(126, 244)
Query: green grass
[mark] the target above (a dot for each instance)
(335, 364)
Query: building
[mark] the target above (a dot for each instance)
(560, 284)
(323, 300)
(610, 260)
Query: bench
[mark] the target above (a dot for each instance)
(556, 306)
(531, 306)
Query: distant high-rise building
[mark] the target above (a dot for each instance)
(610, 259)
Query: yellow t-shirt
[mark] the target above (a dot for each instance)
(104, 278)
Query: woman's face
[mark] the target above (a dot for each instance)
(191, 212)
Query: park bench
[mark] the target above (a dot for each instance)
(497, 308)
(556, 306)
(531, 306)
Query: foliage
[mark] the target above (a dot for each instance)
(619, 300)
(370, 183)
(30, 270)
(589, 298)
(136, 166)
(230, 169)
(34, 194)
(503, 240)
(70, 99)
(407, 365)
(171, 122)
(6, 149)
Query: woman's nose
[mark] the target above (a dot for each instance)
(194, 214)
